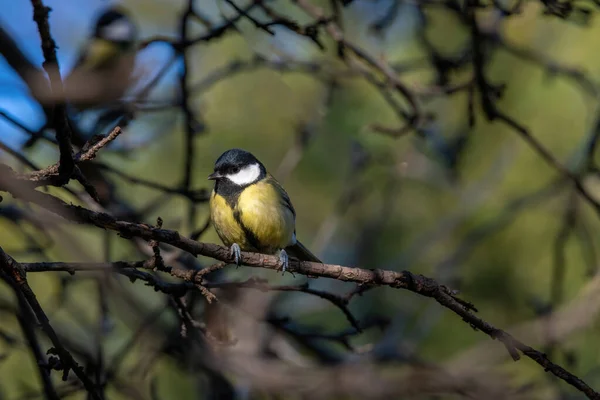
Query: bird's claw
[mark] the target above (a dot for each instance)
(236, 253)
(285, 260)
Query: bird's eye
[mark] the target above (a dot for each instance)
(235, 170)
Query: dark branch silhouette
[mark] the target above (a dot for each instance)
(202, 304)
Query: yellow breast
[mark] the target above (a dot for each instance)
(263, 212)
(228, 229)
(260, 221)
(99, 53)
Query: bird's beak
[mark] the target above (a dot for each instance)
(214, 176)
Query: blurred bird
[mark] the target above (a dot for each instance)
(251, 211)
(103, 71)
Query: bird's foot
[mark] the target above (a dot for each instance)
(285, 260)
(236, 253)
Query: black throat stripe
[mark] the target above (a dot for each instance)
(250, 236)
(229, 191)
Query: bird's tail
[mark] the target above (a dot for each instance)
(301, 253)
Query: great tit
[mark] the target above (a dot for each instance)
(251, 211)
(104, 68)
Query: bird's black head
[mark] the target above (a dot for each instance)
(239, 168)
(115, 26)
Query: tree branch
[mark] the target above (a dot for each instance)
(15, 276)
(59, 120)
(402, 280)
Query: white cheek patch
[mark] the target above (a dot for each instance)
(246, 176)
(119, 31)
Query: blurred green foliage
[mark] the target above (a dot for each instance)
(421, 217)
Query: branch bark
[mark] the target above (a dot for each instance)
(419, 284)
(16, 277)
(59, 120)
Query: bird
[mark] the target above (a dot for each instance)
(251, 211)
(104, 67)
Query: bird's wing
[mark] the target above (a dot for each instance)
(285, 199)
(297, 250)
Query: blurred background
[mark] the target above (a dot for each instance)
(442, 189)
